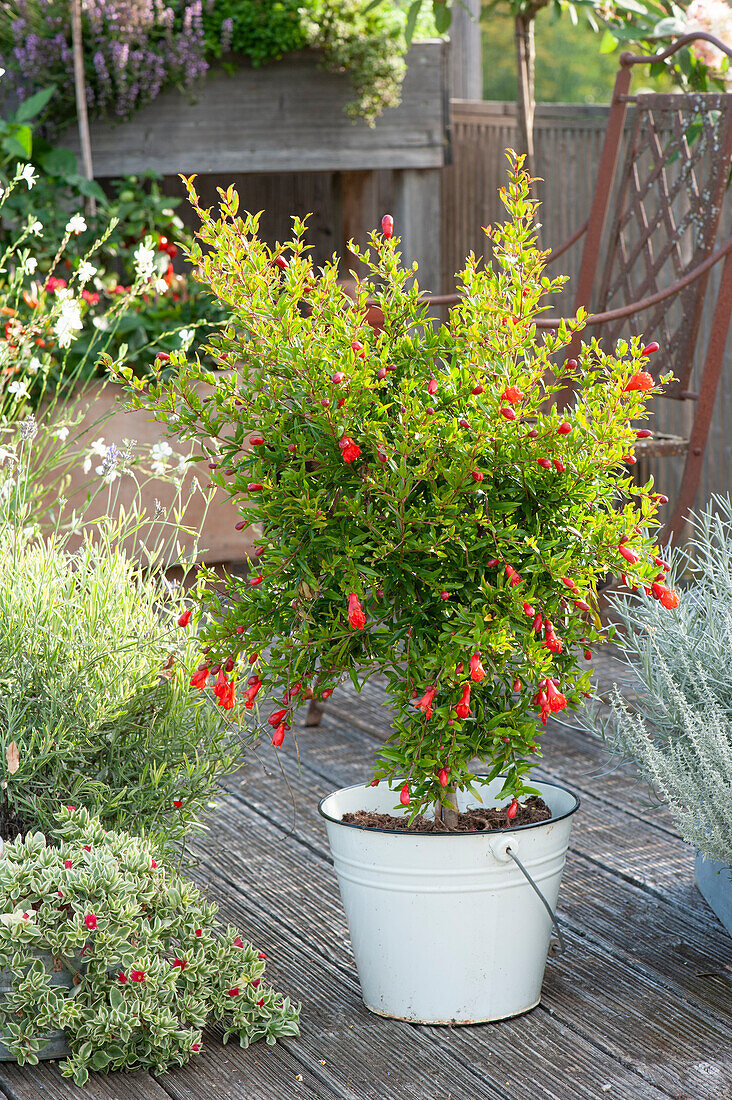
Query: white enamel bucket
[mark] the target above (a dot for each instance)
(445, 928)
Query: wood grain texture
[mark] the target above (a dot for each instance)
(637, 1009)
(285, 117)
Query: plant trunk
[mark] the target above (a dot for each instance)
(525, 59)
(447, 812)
(80, 90)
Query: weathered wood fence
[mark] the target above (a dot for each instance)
(568, 144)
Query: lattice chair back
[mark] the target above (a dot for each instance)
(669, 191)
(651, 242)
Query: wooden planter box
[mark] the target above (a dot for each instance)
(289, 117)
(104, 418)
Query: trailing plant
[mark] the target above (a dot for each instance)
(675, 725)
(149, 964)
(425, 511)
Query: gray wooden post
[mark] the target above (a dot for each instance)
(466, 60)
(417, 220)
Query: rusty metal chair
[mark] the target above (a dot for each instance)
(650, 246)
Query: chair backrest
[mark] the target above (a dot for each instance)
(661, 186)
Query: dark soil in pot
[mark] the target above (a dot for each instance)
(478, 820)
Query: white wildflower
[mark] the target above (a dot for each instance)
(160, 453)
(61, 433)
(18, 389)
(97, 449)
(36, 228)
(186, 336)
(68, 323)
(28, 174)
(161, 287)
(86, 271)
(34, 365)
(144, 259)
(76, 225)
(29, 265)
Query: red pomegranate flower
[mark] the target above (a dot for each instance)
(463, 708)
(425, 703)
(185, 618)
(641, 380)
(199, 679)
(349, 450)
(477, 672)
(555, 700)
(356, 617)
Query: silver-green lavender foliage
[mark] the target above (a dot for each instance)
(95, 701)
(149, 964)
(675, 722)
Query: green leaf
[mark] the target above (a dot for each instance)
(20, 143)
(412, 16)
(33, 106)
(58, 162)
(442, 16)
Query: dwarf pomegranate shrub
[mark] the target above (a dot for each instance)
(426, 512)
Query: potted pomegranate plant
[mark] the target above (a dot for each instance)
(429, 516)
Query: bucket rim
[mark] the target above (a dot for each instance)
(453, 835)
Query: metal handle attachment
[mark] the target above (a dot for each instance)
(537, 891)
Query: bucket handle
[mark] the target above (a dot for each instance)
(537, 891)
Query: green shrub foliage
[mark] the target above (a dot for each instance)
(150, 965)
(426, 511)
(95, 698)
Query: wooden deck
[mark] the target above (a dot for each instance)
(639, 1008)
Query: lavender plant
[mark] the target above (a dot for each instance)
(150, 964)
(674, 719)
(135, 48)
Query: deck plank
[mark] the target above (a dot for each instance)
(616, 914)
(44, 1082)
(529, 1055)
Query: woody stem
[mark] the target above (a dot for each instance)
(447, 810)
